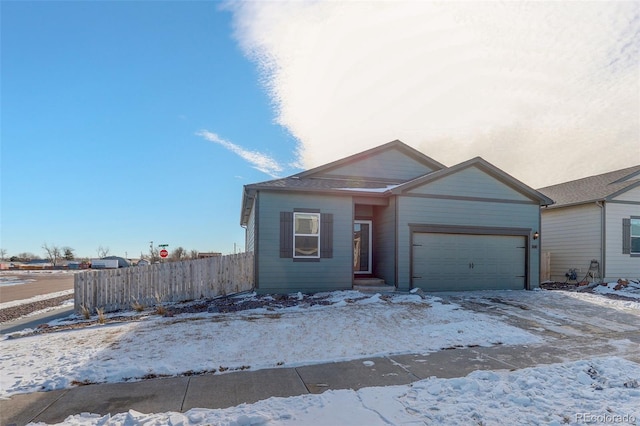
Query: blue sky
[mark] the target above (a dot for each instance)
(101, 103)
(138, 121)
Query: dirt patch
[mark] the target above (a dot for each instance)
(583, 288)
(221, 305)
(559, 286)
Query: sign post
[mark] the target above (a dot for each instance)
(164, 253)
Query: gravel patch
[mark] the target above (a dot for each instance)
(8, 314)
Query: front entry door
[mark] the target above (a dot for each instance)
(362, 247)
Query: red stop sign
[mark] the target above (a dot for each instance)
(164, 253)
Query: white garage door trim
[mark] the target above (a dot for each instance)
(460, 252)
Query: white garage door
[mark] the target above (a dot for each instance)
(453, 262)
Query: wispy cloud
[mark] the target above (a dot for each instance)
(258, 160)
(546, 90)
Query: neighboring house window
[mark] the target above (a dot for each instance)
(631, 236)
(306, 235)
(635, 236)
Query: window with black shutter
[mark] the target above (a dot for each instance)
(306, 234)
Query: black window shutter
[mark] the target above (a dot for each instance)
(626, 236)
(326, 235)
(286, 234)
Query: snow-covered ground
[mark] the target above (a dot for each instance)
(354, 326)
(629, 289)
(9, 280)
(18, 277)
(258, 338)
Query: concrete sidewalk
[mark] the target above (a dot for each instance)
(226, 390)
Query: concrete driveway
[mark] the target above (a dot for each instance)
(573, 325)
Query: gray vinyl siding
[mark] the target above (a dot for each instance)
(633, 196)
(251, 228)
(391, 164)
(572, 237)
(619, 265)
(428, 211)
(363, 211)
(284, 275)
(471, 182)
(384, 238)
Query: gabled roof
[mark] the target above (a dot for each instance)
(603, 187)
(396, 144)
(319, 180)
(342, 186)
(483, 165)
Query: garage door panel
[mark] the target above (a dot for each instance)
(453, 262)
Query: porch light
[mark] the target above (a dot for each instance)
(536, 235)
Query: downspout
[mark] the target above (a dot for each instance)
(256, 241)
(602, 239)
(396, 200)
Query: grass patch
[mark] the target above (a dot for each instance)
(101, 317)
(160, 309)
(137, 306)
(86, 313)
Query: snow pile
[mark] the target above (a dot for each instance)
(605, 390)
(626, 288)
(355, 326)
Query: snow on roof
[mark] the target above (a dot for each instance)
(378, 190)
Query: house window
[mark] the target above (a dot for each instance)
(306, 235)
(635, 236)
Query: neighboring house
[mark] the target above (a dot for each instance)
(595, 218)
(392, 213)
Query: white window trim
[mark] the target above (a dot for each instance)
(632, 236)
(317, 235)
(370, 223)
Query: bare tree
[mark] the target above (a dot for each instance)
(24, 257)
(193, 254)
(3, 253)
(53, 253)
(103, 251)
(178, 254)
(154, 255)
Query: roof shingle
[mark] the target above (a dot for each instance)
(601, 187)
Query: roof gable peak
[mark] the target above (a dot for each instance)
(486, 167)
(397, 145)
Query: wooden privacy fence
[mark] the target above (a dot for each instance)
(115, 289)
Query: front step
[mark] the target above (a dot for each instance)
(372, 285)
